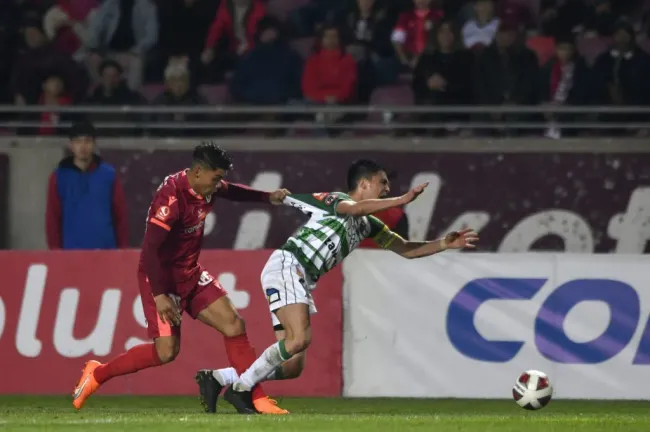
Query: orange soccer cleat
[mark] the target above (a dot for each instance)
(267, 405)
(86, 386)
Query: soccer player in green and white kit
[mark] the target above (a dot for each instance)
(338, 223)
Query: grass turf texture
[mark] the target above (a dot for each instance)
(162, 414)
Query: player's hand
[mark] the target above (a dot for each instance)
(168, 310)
(461, 239)
(411, 195)
(278, 196)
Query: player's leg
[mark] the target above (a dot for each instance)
(295, 320)
(163, 350)
(211, 305)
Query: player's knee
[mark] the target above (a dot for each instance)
(298, 342)
(167, 351)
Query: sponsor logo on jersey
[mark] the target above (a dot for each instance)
(162, 213)
(330, 199)
(320, 196)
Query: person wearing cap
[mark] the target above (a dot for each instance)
(85, 200)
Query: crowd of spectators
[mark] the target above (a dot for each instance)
(277, 52)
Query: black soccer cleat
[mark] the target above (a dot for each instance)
(209, 389)
(241, 400)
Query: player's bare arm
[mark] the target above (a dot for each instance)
(369, 206)
(418, 249)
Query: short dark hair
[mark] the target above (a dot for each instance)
(111, 64)
(362, 169)
(210, 155)
(82, 128)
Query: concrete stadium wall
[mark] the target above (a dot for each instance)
(33, 159)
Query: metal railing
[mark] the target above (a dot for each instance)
(369, 118)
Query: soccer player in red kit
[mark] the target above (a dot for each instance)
(172, 281)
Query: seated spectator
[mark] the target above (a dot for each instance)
(564, 81)
(621, 74)
(411, 33)
(53, 95)
(506, 73)
(479, 33)
(113, 91)
(270, 73)
(367, 26)
(67, 25)
(444, 75)
(330, 75)
(38, 62)
(178, 92)
(184, 27)
(124, 31)
(231, 35)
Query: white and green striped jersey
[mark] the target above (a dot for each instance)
(327, 238)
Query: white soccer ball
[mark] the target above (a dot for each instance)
(532, 390)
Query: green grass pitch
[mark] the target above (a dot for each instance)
(163, 414)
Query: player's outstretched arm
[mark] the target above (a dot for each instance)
(419, 249)
(371, 206)
(240, 192)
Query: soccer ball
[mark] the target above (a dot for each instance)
(532, 390)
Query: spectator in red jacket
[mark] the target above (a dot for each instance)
(330, 75)
(411, 34)
(53, 95)
(232, 33)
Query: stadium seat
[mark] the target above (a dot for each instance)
(543, 46)
(151, 91)
(591, 48)
(215, 94)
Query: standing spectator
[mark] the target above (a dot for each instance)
(125, 31)
(411, 34)
(507, 73)
(85, 200)
(444, 75)
(112, 90)
(480, 32)
(330, 75)
(309, 19)
(53, 95)
(565, 81)
(39, 61)
(368, 27)
(184, 27)
(621, 74)
(67, 25)
(269, 74)
(231, 34)
(179, 92)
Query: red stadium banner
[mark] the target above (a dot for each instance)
(59, 309)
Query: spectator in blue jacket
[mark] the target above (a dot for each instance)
(270, 73)
(85, 200)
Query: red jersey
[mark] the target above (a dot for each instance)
(173, 267)
(413, 29)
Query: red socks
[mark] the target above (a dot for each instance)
(241, 356)
(137, 358)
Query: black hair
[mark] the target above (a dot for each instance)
(362, 169)
(111, 64)
(211, 156)
(82, 128)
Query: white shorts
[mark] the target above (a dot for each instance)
(285, 282)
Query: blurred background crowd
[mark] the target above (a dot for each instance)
(321, 52)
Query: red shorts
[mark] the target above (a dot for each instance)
(199, 296)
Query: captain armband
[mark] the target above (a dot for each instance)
(385, 238)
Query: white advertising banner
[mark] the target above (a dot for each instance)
(466, 325)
